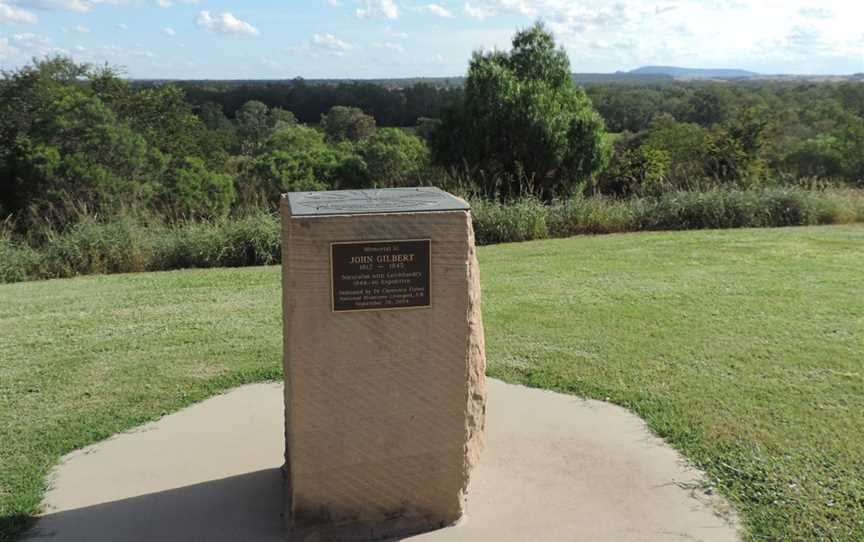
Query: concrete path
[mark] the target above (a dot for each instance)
(556, 468)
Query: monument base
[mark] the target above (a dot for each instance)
(365, 531)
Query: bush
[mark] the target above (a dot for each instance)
(580, 215)
(89, 247)
(195, 191)
(521, 220)
(18, 262)
(253, 239)
(716, 209)
(128, 244)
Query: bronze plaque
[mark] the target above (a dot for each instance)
(376, 275)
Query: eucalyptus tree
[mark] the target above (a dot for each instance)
(524, 124)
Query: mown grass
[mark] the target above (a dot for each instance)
(744, 349)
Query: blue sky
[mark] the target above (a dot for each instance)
(396, 38)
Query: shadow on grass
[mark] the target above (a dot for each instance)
(245, 507)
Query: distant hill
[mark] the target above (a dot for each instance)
(674, 71)
(623, 78)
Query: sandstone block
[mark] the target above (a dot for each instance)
(384, 362)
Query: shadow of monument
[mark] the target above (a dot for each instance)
(239, 508)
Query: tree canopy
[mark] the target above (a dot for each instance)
(524, 120)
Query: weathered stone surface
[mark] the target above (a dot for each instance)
(384, 409)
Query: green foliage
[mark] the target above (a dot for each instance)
(684, 142)
(61, 144)
(194, 191)
(677, 210)
(18, 262)
(393, 157)
(253, 239)
(130, 243)
(256, 123)
(288, 172)
(253, 126)
(852, 163)
(426, 128)
(162, 116)
(523, 115)
(821, 156)
(641, 171)
(77, 141)
(708, 106)
(347, 124)
(91, 247)
(296, 159)
(520, 220)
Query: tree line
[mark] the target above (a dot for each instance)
(76, 138)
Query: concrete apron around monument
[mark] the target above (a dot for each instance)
(556, 468)
(384, 361)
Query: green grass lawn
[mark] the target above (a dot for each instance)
(744, 349)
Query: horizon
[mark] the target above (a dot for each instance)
(390, 39)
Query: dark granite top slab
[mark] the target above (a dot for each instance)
(377, 200)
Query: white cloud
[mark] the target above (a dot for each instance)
(81, 29)
(169, 3)
(168, 31)
(6, 50)
(34, 45)
(83, 6)
(329, 43)
(122, 27)
(478, 12)
(721, 33)
(321, 44)
(435, 9)
(11, 14)
(393, 33)
(377, 8)
(815, 13)
(61, 5)
(270, 63)
(226, 23)
(531, 8)
(390, 45)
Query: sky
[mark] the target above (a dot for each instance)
(281, 39)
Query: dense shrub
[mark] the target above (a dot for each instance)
(195, 191)
(127, 244)
(89, 247)
(253, 239)
(18, 262)
(521, 220)
(718, 209)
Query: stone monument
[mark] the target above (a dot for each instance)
(384, 362)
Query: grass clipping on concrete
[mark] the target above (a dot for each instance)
(743, 348)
